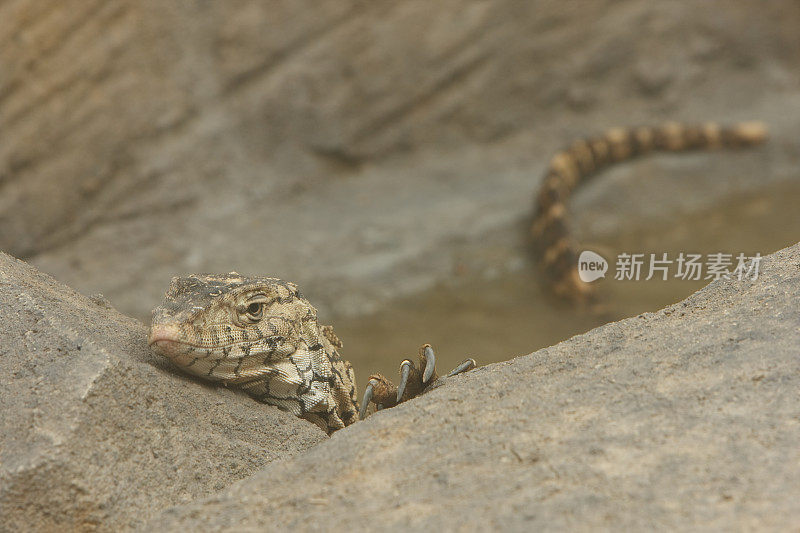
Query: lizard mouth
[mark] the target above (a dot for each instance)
(162, 340)
(168, 347)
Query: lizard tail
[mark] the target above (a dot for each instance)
(556, 251)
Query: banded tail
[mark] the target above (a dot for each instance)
(555, 249)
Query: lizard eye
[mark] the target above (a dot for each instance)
(252, 313)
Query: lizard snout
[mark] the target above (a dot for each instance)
(164, 339)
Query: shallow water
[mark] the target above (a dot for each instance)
(498, 319)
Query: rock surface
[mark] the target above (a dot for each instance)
(347, 145)
(357, 148)
(684, 419)
(98, 433)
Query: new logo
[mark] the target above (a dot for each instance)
(591, 266)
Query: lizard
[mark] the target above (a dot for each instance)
(260, 334)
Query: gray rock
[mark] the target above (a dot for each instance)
(684, 419)
(169, 128)
(96, 432)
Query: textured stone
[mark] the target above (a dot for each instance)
(98, 433)
(188, 130)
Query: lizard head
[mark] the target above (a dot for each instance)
(223, 326)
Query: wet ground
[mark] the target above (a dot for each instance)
(510, 315)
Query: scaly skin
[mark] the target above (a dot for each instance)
(260, 335)
(556, 251)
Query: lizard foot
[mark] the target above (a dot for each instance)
(413, 381)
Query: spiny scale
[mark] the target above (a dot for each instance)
(556, 251)
(282, 357)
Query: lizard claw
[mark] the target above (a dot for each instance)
(430, 363)
(405, 371)
(413, 381)
(367, 397)
(465, 366)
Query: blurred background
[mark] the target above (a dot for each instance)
(384, 155)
